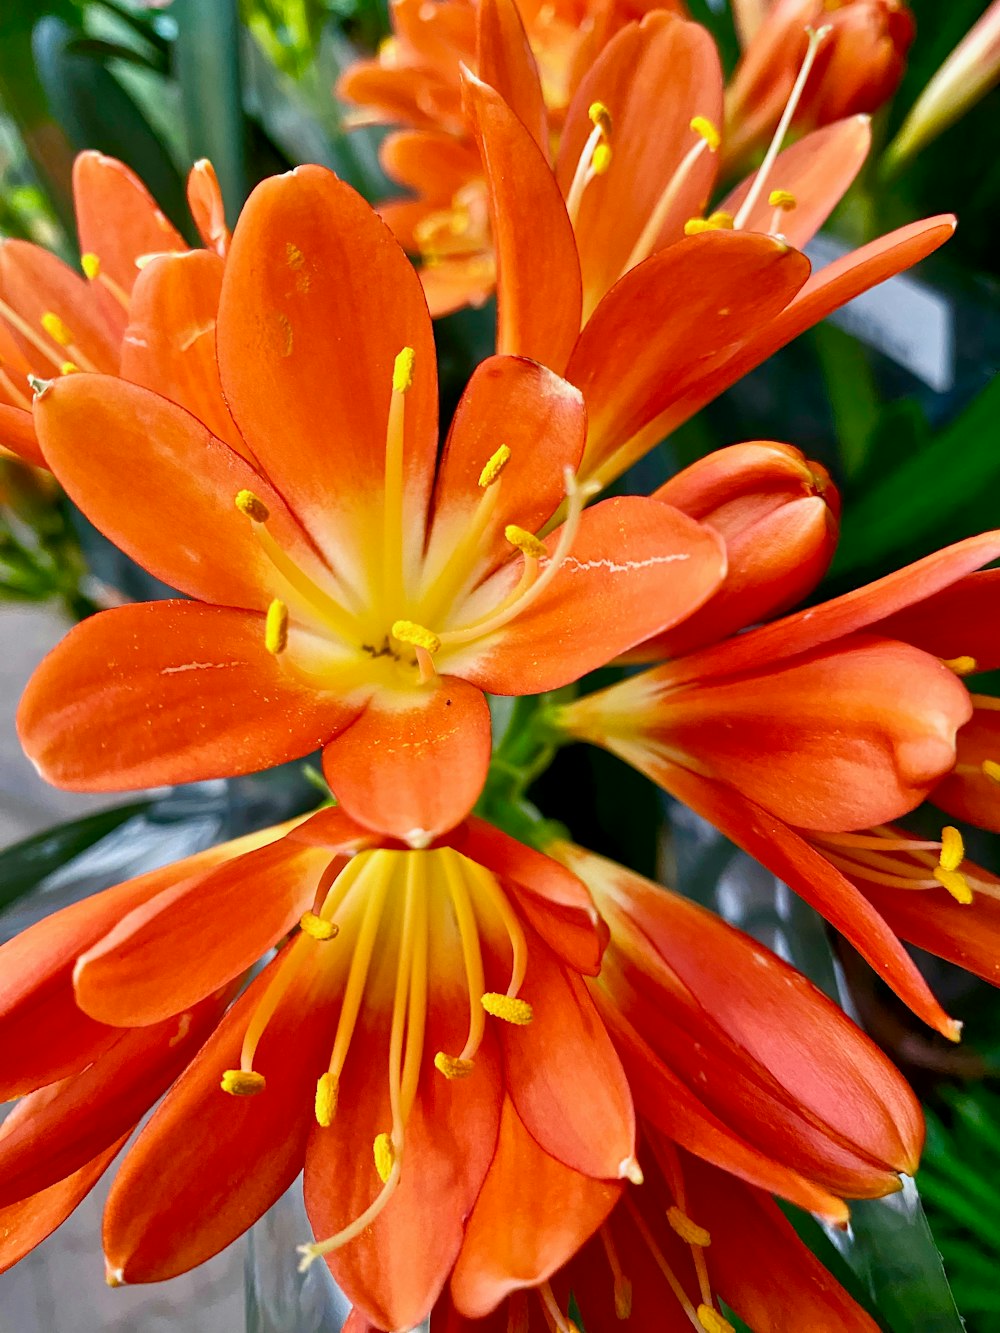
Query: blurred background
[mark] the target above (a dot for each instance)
(897, 395)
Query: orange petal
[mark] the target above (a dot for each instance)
(842, 738)
(532, 1215)
(395, 1270)
(169, 344)
(955, 622)
(414, 763)
(635, 567)
(505, 62)
(117, 218)
(44, 1035)
(790, 858)
(563, 1075)
(56, 1131)
(968, 793)
(653, 77)
(167, 692)
(207, 1164)
(818, 171)
(196, 936)
(178, 519)
(514, 403)
(538, 287)
(207, 207)
(553, 899)
(25, 1224)
(642, 348)
(17, 433)
(967, 935)
(35, 283)
(317, 302)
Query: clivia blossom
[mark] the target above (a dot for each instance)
(350, 590)
(413, 997)
(53, 321)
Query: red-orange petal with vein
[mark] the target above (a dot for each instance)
(166, 692)
(505, 61)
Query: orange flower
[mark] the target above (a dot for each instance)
(623, 215)
(818, 724)
(369, 1039)
(52, 321)
(671, 1250)
(357, 595)
(858, 67)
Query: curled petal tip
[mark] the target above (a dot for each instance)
(113, 1277)
(630, 1170)
(39, 387)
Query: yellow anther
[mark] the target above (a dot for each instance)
(318, 927)
(56, 329)
(600, 116)
(242, 1082)
(721, 220)
(956, 884)
(326, 1100)
(249, 504)
(708, 130)
(623, 1298)
(402, 371)
(491, 472)
(90, 264)
(451, 1066)
(385, 1156)
(962, 666)
(713, 1322)
(525, 541)
(407, 631)
(783, 199)
(952, 849)
(276, 628)
(601, 159)
(511, 1008)
(991, 770)
(68, 368)
(688, 1231)
(714, 222)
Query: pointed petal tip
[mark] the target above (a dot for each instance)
(113, 1277)
(631, 1171)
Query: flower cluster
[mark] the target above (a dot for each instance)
(520, 1079)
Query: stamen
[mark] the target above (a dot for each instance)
(991, 770)
(56, 329)
(952, 848)
(708, 131)
(719, 221)
(91, 265)
(402, 370)
(276, 628)
(713, 1322)
(253, 507)
(816, 36)
(28, 333)
(395, 437)
(526, 542)
(327, 1091)
(708, 141)
(601, 160)
(956, 884)
(599, 115)
(318, 927)
(661, 1262)
(486, 885)
(560, 1322)
(511, 1008)
(491, 472)
(385, 1156)
(783, 199)
(472, 957)
(453, 1066)
(242, 1082)
(688, 1231)
(69, 368)
(407, 631)
(594, 159)
(962, 666)
(286, 972)
(623, 1287)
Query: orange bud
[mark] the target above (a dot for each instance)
(858, 66)
(779, 515)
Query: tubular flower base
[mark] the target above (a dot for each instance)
(672, 1250)
(54, 322)
(859, 67)
(352, 592)
(831, 720)
(413, 995)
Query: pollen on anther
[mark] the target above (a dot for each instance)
(713, 1322)
(276, 628)
(242, 1082)
(56, 329)
(511, 1008)
(783, 199)
(385, 1156)
(452, 1066)
(326, 1100)
(90, 264)
(601, 159)
(402, 370)
(687, 1230)
(708, 130)
(962, 666)
(956, 884)
(491, 472)
(600, 115)
(408, 631)
(68, 368)
(719, 221)
(318, 927)
(991, 770)
(952, 848)
(525, 541)
(252, 506)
